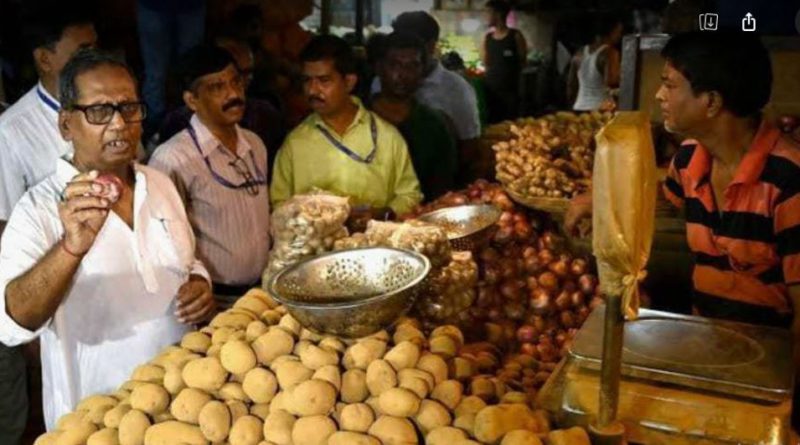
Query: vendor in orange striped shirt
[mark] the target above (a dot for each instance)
(738, 179)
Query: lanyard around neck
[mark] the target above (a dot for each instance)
(350, 153)
(260, 178)
(50, 103)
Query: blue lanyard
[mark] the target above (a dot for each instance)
(53, 105)
(260, 178)
(353, 155)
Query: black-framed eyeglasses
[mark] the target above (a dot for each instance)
(251, 182)
(101, 114)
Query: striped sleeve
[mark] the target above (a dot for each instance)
(673, 188)
(787, 224)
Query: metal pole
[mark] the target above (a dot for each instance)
(608, 431)
(359, 22)
(326, 17)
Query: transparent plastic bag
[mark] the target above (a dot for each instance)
(427, 239)
(624, 199)
(305, 226)
(379, 232)
(450, 290)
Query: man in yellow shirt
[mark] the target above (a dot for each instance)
(343, 147)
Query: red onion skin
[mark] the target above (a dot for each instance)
(548, 281)
(587, 284)
(526, 334)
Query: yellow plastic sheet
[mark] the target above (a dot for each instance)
(624, 199)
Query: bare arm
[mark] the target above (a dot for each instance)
(612, 68)
(572, 80)
(33, 297)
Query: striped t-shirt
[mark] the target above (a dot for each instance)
(748, 252)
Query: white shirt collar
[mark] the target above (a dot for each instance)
(46, 100)
(208, 142)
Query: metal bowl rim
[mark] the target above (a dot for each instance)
(426, 217)
(426, 266)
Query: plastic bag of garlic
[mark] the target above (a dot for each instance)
(304, 226)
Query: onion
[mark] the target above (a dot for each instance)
(548, 281)
(528, 349)
(582, 314)
(577, 299)
(506, 219)
(508, 268)
(538, 323)
(587, 283)
(495, 314)
(515, 311)
(532, 264)
(561, 338)
(503, 235)
(531, 283)
(559, 268)
(546, 351)
(545, 256)
(548, 241)
(522, 230)
(489, 255)
(578, 267)
(486, 296)
(491, 274)
(567, 319)
(528, 252)
(541, 302)
(569, 286)
(526, 333)
(474, 193)
(510, 290)
(563, 301)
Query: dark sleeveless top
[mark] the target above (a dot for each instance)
(503, 65)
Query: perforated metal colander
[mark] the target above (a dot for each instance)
(351, 293)
(468, 227)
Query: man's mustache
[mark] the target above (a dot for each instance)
(316, 99)
(233, 103)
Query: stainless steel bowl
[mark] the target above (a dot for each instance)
(351, 293)
(468, 227)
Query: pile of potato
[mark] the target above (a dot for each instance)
(551, 156)
(254, 376)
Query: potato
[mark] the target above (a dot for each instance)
(47, 438)
(356, 417)
(204, 373)
(260, 385)
(393, 431)
(407, 332)
(113, 416)
(271, 317)
(330, 374)
(417, 381)
(301, 346)
(524, 437)
(214, 350)
(290, 325)
(374, 402)
(230, 319)
(122, 395)
(163, 417)
(130, 385)
(572, 436)
(97, 413)
(248, 430)
(449, 331)
(290, 374)
(350, 438)
(262, 295)
(148, 373)
(237, 357)
(187, 405)
(514, 397)
(260, 410)
(311, 336)
(354, 386)
(237, 409)
(449, 393)
(173, 380)
(312, 430)
(252, 304)
(76, 435)
(483, 388)
(150, 398)
(106, 436)
(404, 355)
(278, 427)
(469, 405)
(93, 402)
(444, 345)
(224, 335)
(445, 435)
(381, 376)
(462, 368)
(275, 343)
(255, 329)
(215, 421)
(132, 428)
(466, 422)
(283, 359)
(431, 415)
(364, 352)
(174, 432)
(311, 398)
(314, 357)
(493, 422)
(196, 342)
(279, 402)
(399, 402)
(70, 420)
(232, 391)
(433, 365)
(381, 335)
(332, 344)
(542, 420)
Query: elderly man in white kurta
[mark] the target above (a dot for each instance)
(103, 269)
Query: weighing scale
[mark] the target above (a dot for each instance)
(684, 380)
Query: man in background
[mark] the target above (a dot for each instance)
(504, 52)
(433, 150)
